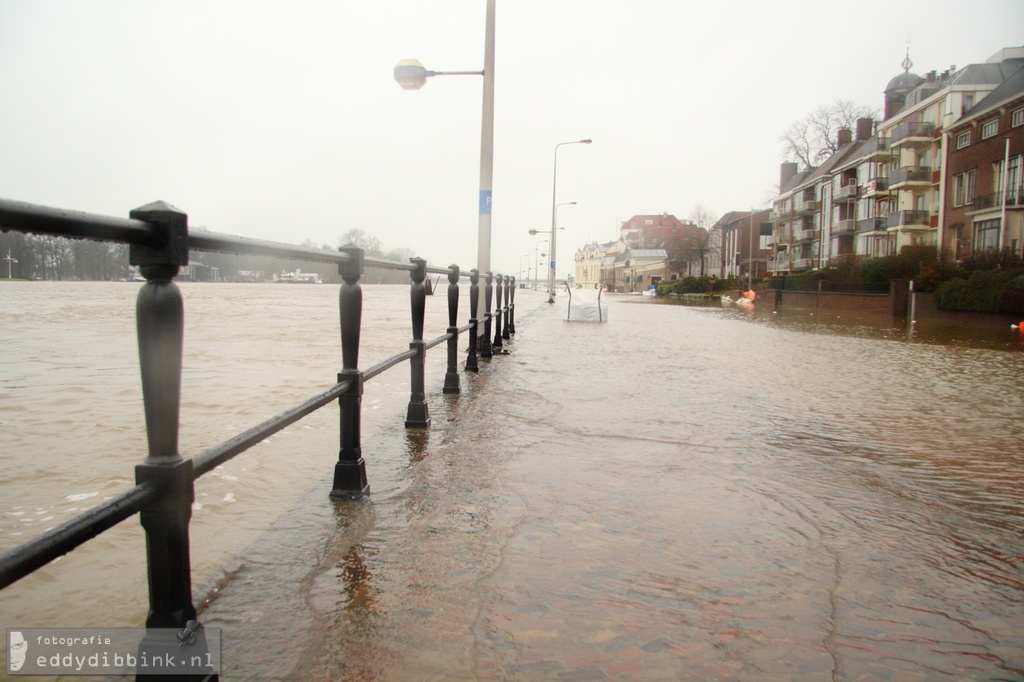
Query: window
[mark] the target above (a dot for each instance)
(986, 235)
(963, 139)
(1017, 118)
(963, 188)
(966, 103)
(990, 128)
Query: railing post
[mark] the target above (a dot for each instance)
(160, 322)
(512, 309)
(451, 377)
(350, 470)
(498, 317)
(505, 329)
(418, 416)
(485, 341)
(474, 299)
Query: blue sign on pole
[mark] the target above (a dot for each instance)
(485, 202)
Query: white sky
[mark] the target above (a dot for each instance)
(282, 121)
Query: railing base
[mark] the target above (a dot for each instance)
(350, 481)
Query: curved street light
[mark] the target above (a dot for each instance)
(554, 216)
(412, 75)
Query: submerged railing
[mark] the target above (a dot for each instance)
(159, 243)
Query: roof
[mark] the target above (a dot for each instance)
(648, 253)
(904, 81)
(1007, 90)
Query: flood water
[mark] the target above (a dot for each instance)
(678, 493)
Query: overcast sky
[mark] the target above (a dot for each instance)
(282, 121)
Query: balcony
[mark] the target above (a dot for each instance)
(876, 186)
(847, 193)
(876, 146)
(871, 225)
(848, 226)
(910, 133)
(805, 236)
(804, 206)
(910, 176)
(908, 219)
(782, 236)
(989, 201)
(780, 262)
(803, 263)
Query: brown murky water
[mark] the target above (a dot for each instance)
(679, 493)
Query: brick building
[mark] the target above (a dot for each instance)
(984, 191)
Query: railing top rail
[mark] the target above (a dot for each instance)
(36, 219)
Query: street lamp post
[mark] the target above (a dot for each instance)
(534, 233)
(554, 216)
(536, 270)
(411, 75)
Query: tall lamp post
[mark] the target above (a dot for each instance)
(411, 75)
(534, 233)
(554, 218)
(536, 270)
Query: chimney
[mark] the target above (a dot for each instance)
(787, 173)
(865, 126)
(930, 76)
(845, 137)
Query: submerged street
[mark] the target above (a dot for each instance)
(642, 500)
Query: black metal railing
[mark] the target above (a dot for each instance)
(1015, 197)
(159, 243)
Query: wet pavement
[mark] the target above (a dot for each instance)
(589, 509)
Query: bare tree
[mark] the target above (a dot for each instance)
(814, 138)
(701, 245)
(370, 245)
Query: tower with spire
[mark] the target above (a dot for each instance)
(899, 87)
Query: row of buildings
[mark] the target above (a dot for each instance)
(942, 170)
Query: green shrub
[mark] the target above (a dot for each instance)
(984, 291)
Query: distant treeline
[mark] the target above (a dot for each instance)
(37, 257)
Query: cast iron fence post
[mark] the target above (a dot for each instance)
(474, 299)
(485, 342)
(497, 314)
(451, 377)
(505, 334)
(417, 416)
(512, 309)
(350, 470)
(160, 325)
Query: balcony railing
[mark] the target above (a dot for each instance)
(908, 219)
(876, 145)
(805, 235)
(805, 205)
(848, 226)
(876, 186)
(912, 130)
(848, 192)
(910, 175)
(1015, 197)
(871, 224)
(802, 263)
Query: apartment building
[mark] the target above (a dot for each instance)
(740, 244)
(984, 190)
(883, 190)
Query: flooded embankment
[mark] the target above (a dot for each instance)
(678, 493)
